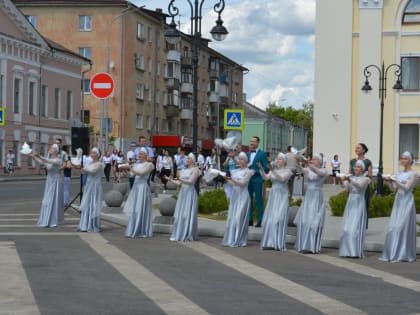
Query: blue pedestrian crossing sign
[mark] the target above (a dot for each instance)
(2, 116)
(234, 119)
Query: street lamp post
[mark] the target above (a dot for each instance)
(172, 35)
(382, 95)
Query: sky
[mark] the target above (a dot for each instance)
(274, 39)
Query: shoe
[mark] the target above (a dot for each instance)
(251, 223)
(258, 224)
(164, 191)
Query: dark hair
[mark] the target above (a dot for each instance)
(365, 148)
(256, 138)
(335, 156)
(289, 148)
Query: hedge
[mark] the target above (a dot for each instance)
(378, 207)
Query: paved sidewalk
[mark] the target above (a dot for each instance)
(375, 235)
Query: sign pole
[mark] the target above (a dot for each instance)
(101, 121)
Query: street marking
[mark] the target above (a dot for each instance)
(16, 296)
(161, 293)
(39, 233)
(18, 214)
(314, 299)
(32, 219)
(32, 225)
(368, 271)
(101, 85)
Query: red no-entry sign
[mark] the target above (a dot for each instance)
(101, 85)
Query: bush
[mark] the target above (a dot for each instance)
(338, 203)
(212, 201)
(378, 207)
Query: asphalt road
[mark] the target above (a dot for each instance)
(60, 271)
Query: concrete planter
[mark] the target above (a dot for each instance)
(123, 188)
(167, 207)
(292, 214)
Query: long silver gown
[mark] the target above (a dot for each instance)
(236, 233)
(91, 206)
(276, 211)
(52, 207)
(310, 217)
(354, 218)
(400, 239)
(139, 203)
(185, 224)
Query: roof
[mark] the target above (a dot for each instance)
(56, 46)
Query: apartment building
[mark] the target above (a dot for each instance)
(153, 79)
(39, 89)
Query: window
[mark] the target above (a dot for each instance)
(1, 91)
(140, 62)
(85, 23)
(148, 122)
(31, 19)
(16, 150)
(69, 105)
(186, 102)
(172, 70)
(186, 76)
(409, 139)
(149, 65)
(43, 149)
(139, 121)
(85, 52)
(31, 162)
(140, 31)
(57, 100)
(410, 73)
(149, 95)
(156, 124)
(412, 12)
(86, 86)
(157, 97)
(44, 101)
(17, 88)
(158, 68)
(213, 85)
(86, 117)
(173, 98)
(31, 98)
(164, 125)
(139, 91)
(149, 34)
(158, 39)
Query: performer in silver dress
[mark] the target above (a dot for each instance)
(236, 233)
(354, 218)
(185, 224)
(52, 208)
(91, 206)
(400, 240)
(139, 202)
(310, 217)
(277, 209)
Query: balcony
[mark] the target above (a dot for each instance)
(172, 84)
(186, 61)
(187, 87)
(214, 73)
(186, 114)
(173, 55)
(172, 110)
(213, 97)
(212, 121)
(224, 99)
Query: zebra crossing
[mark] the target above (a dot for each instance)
(132, 261)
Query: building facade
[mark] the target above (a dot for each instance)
(39, 89)
(363, 33)
(275, 133)
(153, 79)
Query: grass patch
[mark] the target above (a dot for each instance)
(222, 217)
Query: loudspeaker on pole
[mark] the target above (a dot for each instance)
(80, 139)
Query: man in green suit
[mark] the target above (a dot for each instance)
(256, 156)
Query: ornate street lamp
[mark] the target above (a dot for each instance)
(172, 35)
(382, 95)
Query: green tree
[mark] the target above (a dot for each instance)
(301, 117)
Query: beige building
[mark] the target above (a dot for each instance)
(153, 80)
(39, 88)
(351, 35)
